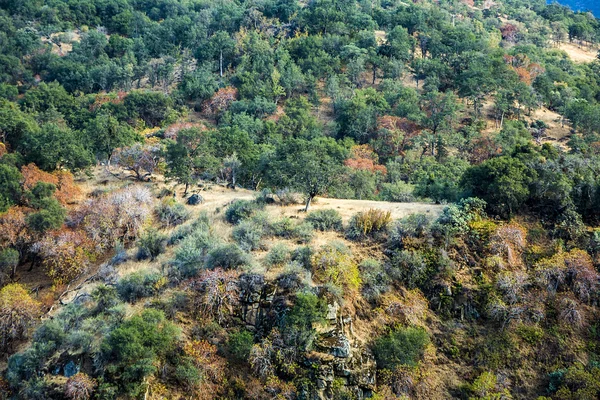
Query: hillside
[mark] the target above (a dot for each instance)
(299, 200)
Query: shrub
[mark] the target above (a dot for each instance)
(403, 346)
(240, 210)
(414, 226)
(240, 343)
(408, 267)
(9, 260)
(248, 235)
(375, 280)
(297, 325)
(303, 232)
(287, 197)
(278, 255)
(283, 228)
(139, 285)
(397, 191)
(333, 263)
(201, 223)
(191, 254)
(187, 374)
(227, 256)
(368, 224)
(325, 220)
(303, 256)
(151, 244)
(171, 213)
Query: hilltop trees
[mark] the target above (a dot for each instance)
(311, 167)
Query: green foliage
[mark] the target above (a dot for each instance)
(325, 220)
(297, 325)
(139, 285)
(50, 215)
(502, 182)
(248, 235)
(10, 186)
(402, 346)
(131, 351)
(240, 210)
(171, 213)
(240, 343)
(151, 244)
(9, 260)
(227, 256)
(278, 256)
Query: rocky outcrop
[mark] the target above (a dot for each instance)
(338, 358)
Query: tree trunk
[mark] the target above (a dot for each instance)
(221, 63)
(187, 185)
(308, 201)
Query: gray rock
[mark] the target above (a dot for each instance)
(195, 199)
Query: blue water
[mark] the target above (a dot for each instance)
(582, 5)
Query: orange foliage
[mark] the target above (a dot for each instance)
(3, 150)
(526, 70)
(65, 254)
(364, 158)
(173, 129)
(13, 228)
(396, 134)
(103, 98)
(67, 192)
(221, 100)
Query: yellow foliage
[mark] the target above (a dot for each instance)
(372, 220)
(332, 264)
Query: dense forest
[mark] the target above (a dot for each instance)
(281, 199)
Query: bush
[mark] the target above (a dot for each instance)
(139, 285)
(9, 259)
(397, 192)
(412, 226)
(190, 256)
(303, 256)
(287, 197)
(403, 346)
(248, 235)
(278, 256)
(334, 263)
(151, 244)
(240, 210)
(171, 213)
(369, 224)
(240, 343)
(375, 280)
(202, 223)
(325, 220)
(227, 256)
(297, 325)
(303, 232)
(409, 267)
(283, 228)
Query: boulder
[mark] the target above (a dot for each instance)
(195, 199)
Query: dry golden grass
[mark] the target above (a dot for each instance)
(579, 54)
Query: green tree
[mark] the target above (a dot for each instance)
(189, 156)
(503, 182)
(311, 167)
